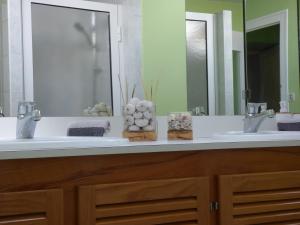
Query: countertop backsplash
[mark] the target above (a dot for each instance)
(202, 126)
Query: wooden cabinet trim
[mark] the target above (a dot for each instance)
(146, 202)
(260, 198)
(32, 207)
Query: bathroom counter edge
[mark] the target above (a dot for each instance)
(143, 147)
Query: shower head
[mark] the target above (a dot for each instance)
(80, 28)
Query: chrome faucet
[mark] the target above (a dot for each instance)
(1, 112)
(256, 114)
(28, 116)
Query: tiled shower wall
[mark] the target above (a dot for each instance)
(1, 56)
(12, 56)
(3, 47)
(132, 41)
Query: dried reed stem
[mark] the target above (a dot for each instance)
(122, 93)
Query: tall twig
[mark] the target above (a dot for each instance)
(126, 87)
(122, 94)
(133, 91)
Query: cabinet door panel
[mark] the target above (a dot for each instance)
(265, 198)
(31, 208)
(178, 201)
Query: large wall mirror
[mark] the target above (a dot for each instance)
(210, 57)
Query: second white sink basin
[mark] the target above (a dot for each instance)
(260, 136)
(40, 143)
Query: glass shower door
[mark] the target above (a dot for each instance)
(74, 56)
(200, 60)
(197, 82)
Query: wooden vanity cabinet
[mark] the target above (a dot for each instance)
(170, 201)
(215, 187)
(31, 208)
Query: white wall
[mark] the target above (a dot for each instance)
(132, 43)
(225, 64)
(1, 56)
(13, 76)
(4, 60)
(238, 46)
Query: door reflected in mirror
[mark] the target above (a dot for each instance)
(215, 58)
(273, 53)
(263, 60)
(197, 74)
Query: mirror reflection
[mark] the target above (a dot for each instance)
(74, 57)
(273, 52)
(70, 46)
(201, 64)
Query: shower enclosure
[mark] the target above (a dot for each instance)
(71, 49)
(200, 63)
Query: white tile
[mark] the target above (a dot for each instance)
(15, 26)
(6, 77)
(16, 72)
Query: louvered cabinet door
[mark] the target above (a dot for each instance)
(179, 201)
(260, 199)
(31, 208)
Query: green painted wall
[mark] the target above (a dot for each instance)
(253, 11)
(164, 52)
(164, 46)
(209, 6)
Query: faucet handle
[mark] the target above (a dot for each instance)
(263, 107)
(26, 107)
(255, 108)
(251, 108)
(36, 115)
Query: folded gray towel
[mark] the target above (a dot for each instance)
(89, 128)
(86, 132)
(288, 126)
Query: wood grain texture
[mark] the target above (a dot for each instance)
(32, 207)
(180, 135)
(262, 198)
(140, 136)
(168, 201)
(71, 172)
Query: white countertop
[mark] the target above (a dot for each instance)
(90, 147)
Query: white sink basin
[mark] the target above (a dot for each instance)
(260, 136)
(40, 143)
